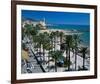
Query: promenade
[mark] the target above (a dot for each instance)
(34, 64)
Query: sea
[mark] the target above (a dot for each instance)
(84, 29)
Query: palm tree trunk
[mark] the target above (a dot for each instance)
(40, 51)
(66, 56)
(60, 42)
(83, 61)
(43, 56)
(48, 61)
(54, 43)
(55, 66)
(69, 59)
(75, 60)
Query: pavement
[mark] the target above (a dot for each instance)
(32, 66)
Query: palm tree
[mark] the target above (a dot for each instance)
(23, 33)
(36, 41)
(76, 42)
(53, 39)
(48, 47)
(83, 51)
(61, 34)
(57, 34)
(28, 28)
(42, 42)
(45, 42)
(30, 31)
(56, 55)
(33, 31)
(69, 44)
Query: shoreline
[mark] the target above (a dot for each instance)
(67, 32)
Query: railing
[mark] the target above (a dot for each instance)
(38, 62)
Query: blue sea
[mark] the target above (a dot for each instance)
(84, 29)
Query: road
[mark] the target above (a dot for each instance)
(32, 66)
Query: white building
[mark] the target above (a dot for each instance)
(34, 23)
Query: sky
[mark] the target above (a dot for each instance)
(58, 17)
